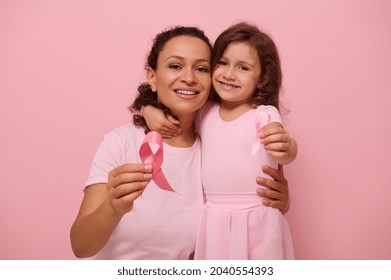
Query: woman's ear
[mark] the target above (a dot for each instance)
(151, 78)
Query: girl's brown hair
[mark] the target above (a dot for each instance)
(271, 74)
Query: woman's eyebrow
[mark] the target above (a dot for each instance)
(176, 57)
(182, 58)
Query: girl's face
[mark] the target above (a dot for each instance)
(182, 79)
(237, 74)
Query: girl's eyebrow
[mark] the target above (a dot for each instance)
(246, 62)
(239, 61)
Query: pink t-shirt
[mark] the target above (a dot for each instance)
(162, 224)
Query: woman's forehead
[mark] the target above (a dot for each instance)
(186, 47)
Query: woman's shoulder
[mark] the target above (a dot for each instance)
(125, 131)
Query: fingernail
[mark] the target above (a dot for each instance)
(148, 167)
(144, 184)
(147, 175)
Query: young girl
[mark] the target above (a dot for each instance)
(246, 79)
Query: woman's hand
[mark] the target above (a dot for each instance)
(125, 184)
(276, 194)
(167, 126)
(104, 205)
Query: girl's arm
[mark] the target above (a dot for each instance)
(104, 205)
(278, 143)
(157, 121)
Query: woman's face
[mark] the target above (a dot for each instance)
(182, 79)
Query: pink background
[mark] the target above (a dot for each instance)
(68, 70)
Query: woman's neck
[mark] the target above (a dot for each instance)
(188, 135)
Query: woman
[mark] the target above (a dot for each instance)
(115, 221)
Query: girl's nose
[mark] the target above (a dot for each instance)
(229, 74)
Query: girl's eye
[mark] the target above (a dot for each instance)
(222, 63)
(244, 68)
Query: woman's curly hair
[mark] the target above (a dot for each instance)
(145, 94)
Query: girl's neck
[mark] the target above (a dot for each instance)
(188, 135)
(230, 111)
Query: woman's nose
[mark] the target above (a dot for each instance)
(188, 77)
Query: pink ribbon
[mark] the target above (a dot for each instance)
(156, 160)
(260, 124)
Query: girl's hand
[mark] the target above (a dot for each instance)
(278, 143)
(125, 184)
(276, 194)
(168, 126)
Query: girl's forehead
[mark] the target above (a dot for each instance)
(241, 46)
(241, 50)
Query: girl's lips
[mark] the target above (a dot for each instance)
(228, 86)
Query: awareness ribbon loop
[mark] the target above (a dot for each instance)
(156, 160)
(262, 120)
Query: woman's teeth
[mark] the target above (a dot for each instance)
(186, 92)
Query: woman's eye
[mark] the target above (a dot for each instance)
(175, 66)
(203, 69)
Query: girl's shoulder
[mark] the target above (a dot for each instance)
(267, 108)
(267, 113)
(206, 108)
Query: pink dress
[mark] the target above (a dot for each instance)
(234, 222)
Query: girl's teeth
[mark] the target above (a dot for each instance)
(228, 86)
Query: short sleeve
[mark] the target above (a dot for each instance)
(107, 157)
(268, 114)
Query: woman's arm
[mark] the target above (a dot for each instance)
(104, 205)
(276, 194)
